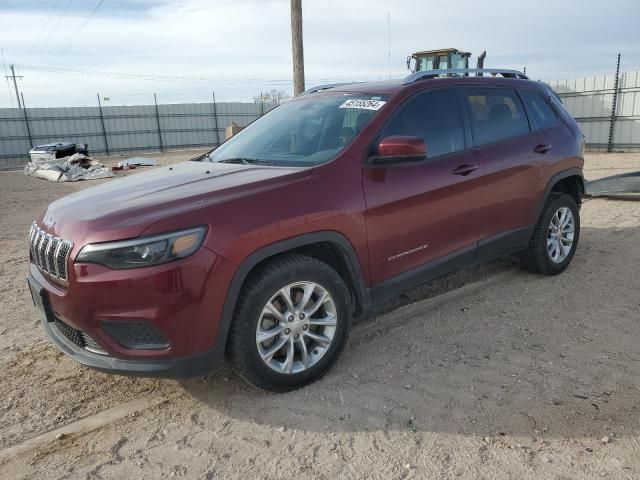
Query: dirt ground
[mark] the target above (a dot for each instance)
(491, 373)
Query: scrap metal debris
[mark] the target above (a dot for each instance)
(68, 169)
(52, 151)
(620, 187)
(138, 162)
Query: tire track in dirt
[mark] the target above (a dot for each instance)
(83, 426)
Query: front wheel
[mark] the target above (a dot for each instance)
(555, 237)
(291, 323)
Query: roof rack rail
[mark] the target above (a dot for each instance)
(460, 72)
(319, 88)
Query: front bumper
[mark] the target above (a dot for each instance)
(186, 367)
(182, 301)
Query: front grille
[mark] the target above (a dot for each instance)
(135, 334)
(91, 345)
(78, 338)
(73, 335)
(49, 253)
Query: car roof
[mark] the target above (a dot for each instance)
(395, 86)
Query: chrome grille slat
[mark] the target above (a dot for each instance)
(34, 247)
(32, 233)
(43, 252)
(41, 237)
(51, 260)
(65, 249)
(55, 256)
(32, 241)
(49, 253)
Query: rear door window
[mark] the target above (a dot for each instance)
(496, 114)
(543, 115)
(433, 116)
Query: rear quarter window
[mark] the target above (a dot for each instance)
(543, 114)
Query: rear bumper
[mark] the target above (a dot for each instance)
(186, 367)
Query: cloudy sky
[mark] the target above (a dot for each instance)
(67, 50)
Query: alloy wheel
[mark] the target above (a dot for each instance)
(296, 327)
(560, 235)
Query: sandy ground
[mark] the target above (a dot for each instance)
(489, 373)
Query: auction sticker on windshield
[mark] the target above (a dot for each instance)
(363, 104)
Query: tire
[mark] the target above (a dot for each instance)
(537, 258)
(295, 274)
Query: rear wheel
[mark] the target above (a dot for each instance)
(291, 323)
(555, 237)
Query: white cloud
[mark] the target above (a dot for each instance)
(250, 39)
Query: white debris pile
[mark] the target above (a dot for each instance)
(68, 169)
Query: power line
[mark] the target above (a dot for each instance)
(57, 24)
(176, 78)
(79, 31)
(42, 30)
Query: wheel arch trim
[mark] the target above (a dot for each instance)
(251, 261)
(570, 172)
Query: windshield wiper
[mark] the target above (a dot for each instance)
(200, 158)
(247, 161)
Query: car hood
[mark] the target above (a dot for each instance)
(126, 207)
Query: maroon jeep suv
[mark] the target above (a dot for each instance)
(263, 250)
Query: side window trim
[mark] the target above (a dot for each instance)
(466, 117)
(467, 106)
(468, 143)
(530, 119)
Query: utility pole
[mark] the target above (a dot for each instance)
(104, 130)
(298, 53)
(26, 120)
(155, 100)
(15, 84)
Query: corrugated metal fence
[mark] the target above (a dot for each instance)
(591, 100)
(119, 129)
(138, 128)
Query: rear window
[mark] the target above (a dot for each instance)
(543, 115)
(496, 114)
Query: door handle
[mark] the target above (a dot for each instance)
(465, 169)
(542, 148)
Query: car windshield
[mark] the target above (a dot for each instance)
(303, 132)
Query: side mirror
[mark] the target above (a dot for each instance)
(398, 149)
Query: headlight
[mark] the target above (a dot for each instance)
(143, 251)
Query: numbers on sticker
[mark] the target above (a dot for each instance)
(363, 104)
